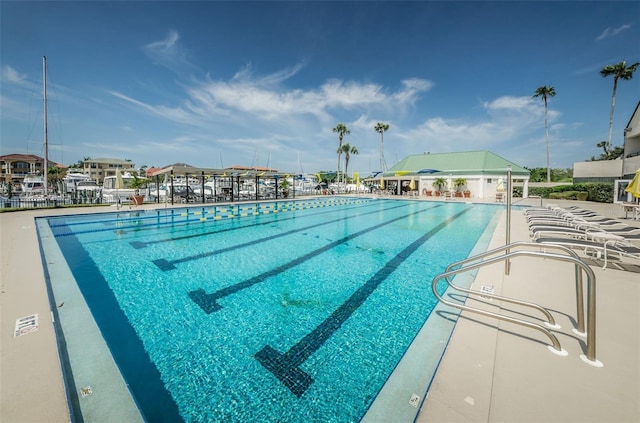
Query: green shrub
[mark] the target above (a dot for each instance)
(597, 192)
(582, 196)
(563, 195)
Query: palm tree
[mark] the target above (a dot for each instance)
(619, 71)
(439, 183)
(546, 92)
(54, 176)
(348, 150)
(342, 130)
(381, 128)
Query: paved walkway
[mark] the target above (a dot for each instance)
(492, 371)
(495, 371)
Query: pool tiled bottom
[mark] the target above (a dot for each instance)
(297, 360)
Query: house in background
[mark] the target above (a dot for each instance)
(98, 169)
(14, 167)
(484, 171)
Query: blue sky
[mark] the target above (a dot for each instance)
(263, 83)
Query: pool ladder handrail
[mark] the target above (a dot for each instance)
(551, 321)
(473, 263)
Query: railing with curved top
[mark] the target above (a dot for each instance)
(511, 251)
(529, 197)
(579, 282)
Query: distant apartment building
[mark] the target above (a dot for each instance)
(15, 167)
(98, 169)
(632, 145)
(624, 167)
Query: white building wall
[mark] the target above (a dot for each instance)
(482, 187)
(631, 165)
(598, 169)
(632, 145)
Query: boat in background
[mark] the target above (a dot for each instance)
(88, 188)
(112, 193)
(71, 181)
(33, 185)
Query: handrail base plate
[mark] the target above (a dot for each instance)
(594, 363)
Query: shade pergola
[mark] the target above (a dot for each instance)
(234, 175)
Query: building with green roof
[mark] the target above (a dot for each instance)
(483, 171)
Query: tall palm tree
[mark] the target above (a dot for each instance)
(342, 130)
(348, 150)
(619, 71)
(546, 92)
(381, 128)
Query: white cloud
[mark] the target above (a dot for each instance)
(167, 44)
(612, 32)
(412, 88)
(170, 53)
(512, 126)
(12, 76)
(174, 114)
(263, 99)
(249, 115)
(509, 103)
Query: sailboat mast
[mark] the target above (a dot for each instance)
(46, 136)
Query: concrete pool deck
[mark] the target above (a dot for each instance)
(491, 372)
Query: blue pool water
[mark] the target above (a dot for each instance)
(288, 311)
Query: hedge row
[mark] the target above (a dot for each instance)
(597, 192)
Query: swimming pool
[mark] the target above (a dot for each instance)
(287, 311)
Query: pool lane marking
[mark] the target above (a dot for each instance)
(138, 218)
(166, 265)
(141, 244)
(209, 302)
(286, 367)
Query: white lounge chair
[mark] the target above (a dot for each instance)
(601, 244)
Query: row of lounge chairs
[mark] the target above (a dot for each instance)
(583, 229)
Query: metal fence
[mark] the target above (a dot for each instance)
(22, 202)
(43, 202)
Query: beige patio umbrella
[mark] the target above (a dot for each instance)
(634, 187)
(381, 182)
(119, 182)
(500, 185)
(412, 184)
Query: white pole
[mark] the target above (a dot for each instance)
(508, 216)
(46, 140)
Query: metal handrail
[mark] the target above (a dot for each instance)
(527, 197)
(591, 297)
(551, 322)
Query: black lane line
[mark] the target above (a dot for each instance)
(140, 244)
(166, 265)
(138, 370)
(286, 366)
(209, 302)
